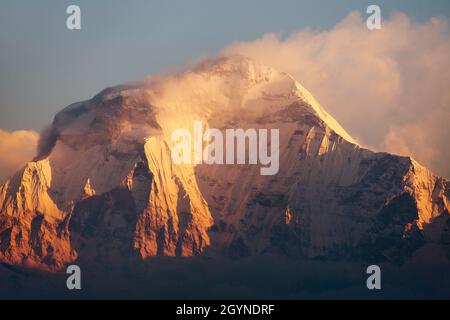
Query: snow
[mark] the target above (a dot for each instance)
(326, 198)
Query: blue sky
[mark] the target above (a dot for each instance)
(44, 66)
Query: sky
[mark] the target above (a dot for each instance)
(45, 67)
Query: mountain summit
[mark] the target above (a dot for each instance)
(103, 185)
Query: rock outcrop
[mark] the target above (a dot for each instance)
(104, 188)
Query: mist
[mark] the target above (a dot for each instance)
(388, 88)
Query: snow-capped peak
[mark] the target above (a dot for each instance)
(104, 181)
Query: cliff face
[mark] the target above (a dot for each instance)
(104, 187)
(331, 199)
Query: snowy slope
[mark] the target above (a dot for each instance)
(104, 186)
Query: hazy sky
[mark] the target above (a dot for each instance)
(44, 66)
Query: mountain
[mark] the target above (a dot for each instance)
(103, 186)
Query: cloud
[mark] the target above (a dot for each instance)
(16, 148)
(389, 88)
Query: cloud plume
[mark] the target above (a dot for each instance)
(389, 88)
(16, 148)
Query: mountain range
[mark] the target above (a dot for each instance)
(103, 187)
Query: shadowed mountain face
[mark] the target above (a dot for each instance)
(104, 188)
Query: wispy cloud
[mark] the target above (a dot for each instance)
(389, 88)
(16, 148)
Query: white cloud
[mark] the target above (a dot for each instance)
(389, 88)
(16, 148)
